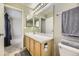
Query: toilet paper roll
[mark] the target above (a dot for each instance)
(45, 49)
(46, 46)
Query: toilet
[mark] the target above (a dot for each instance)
(66, 50)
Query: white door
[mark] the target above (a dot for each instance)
(1, 29)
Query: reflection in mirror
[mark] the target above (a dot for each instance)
(32, 25)
(36, 22)
(29, 23)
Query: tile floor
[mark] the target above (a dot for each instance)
(14, 50)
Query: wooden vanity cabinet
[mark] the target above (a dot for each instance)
(39, 49)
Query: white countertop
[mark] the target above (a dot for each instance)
(40, 37)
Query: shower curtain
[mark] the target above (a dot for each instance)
(8, 36)
(70, 22)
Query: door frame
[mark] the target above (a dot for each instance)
(22, 12)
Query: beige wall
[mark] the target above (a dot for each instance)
(58, 8)
(1, 29)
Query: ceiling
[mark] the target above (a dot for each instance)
(46, 12)
(31, 6)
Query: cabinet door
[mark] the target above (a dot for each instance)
(37, 48)
(32, 46)
(27, 41)
(46, 51)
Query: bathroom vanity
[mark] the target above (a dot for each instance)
(39, 44)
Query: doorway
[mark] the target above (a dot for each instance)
(16, 41)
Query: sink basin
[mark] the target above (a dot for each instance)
(39, 37)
